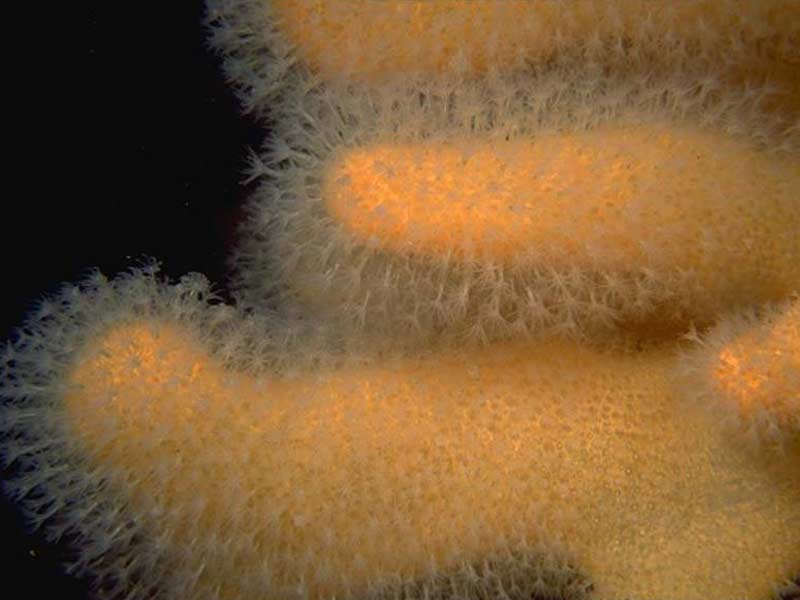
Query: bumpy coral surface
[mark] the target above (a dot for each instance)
(458, 364)
(327, 484)
(654, 195)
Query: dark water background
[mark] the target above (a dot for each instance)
(149, 164)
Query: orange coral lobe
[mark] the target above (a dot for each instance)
(376, 40)
(614, 198)
(760, 369)
(351, 475)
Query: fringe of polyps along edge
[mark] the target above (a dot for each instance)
(51, 480)
(522, 571)
(258, 60)
(50, 477)
(291, 243)
(118, 549)
(260, 51)
(757, 348)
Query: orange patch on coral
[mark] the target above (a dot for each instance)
(617, 198)
(760, 369)
(376, 40)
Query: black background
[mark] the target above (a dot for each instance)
(143, 155)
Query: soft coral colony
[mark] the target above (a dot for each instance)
(517, 317)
